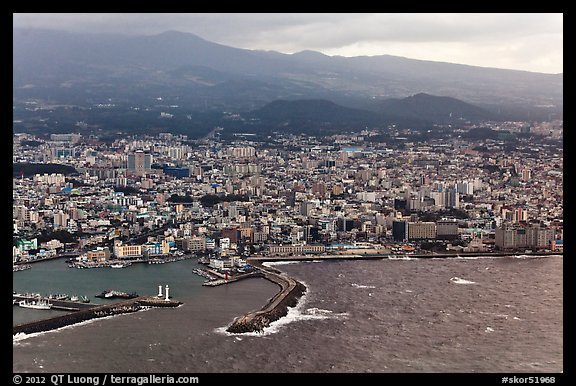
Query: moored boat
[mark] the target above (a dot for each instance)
(36, 305)
(111, 294)
(121, 265)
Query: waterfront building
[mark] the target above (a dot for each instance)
(100, 254)
(399, 230)
(446, 229)
(155, 248)
(26, 245)
(295, 250)
(194, 244)
(126, 251)
(421, 231)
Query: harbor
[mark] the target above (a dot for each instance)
(124, 263)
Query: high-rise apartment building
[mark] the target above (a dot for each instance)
(139, 162)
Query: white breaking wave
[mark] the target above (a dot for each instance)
(362, 286)
(401, 257)
(457, 280)
(294, 314)
(478, 257)
(273, 263)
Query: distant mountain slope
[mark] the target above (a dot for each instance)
(416, 109)
(317, 110)
(434, 109)
(197, 74)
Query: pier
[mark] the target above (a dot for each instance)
(93, 311)
(230, 279)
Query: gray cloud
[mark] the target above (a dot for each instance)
(520, 41)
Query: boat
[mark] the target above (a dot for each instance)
(111, 294)
(85, 299)
(74, 298)
(18, 268)
(203, 273)
(121, 265)
(36, 305)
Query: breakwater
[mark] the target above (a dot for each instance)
(277, 307)
(124, 307)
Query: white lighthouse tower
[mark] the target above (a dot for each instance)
(167, 293)
(160, 291)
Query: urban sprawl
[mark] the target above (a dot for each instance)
(152, 197)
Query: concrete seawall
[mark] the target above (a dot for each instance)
(290, 291)
(370, 256)
(123, 307)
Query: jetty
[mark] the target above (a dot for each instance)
(277, 307)
(93, 311)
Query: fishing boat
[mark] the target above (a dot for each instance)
(111, 294)
(121, 265)
(36, 305)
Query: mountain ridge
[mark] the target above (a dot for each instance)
(83, 67)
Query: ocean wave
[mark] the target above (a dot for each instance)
(477, 257)
(401, 257)
(362, 286)
(274, 263)
(457, 280)
(294, 314)
(534, 256)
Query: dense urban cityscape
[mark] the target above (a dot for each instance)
(287, 195)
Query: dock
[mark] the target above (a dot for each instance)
(231, 279)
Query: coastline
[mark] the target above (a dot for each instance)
(255, 321)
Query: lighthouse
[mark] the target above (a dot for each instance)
(167, 293)
(160, 291)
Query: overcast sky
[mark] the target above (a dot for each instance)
(532, 42)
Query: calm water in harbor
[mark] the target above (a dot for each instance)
(438, 315)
